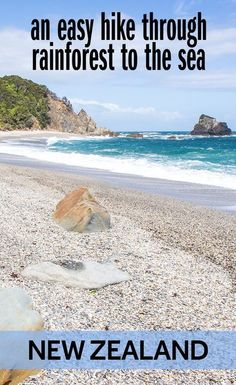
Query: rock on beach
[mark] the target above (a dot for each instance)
(86, 275)
(80, 212)
(17, 314)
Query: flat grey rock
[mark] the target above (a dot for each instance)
(86, 275)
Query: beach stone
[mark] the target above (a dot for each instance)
(17, 314)
(80, 212)
(86, 275)
(16, 311)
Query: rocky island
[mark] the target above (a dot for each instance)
(25, 105)
(210, 126)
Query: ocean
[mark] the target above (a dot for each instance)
(175, 156)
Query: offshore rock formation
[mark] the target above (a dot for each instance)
(80, 212)
(209, 126)
(134, 136)
(25, 105)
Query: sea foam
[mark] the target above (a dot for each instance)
(145, 167)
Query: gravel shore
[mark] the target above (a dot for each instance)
(181, 259)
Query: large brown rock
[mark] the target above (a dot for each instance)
(80, 212)
(17, 314)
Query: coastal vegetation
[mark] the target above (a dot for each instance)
(23, 104)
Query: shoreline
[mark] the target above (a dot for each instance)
(213, 197)
(181, 259)
(23, 134)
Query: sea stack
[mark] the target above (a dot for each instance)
(210, 126)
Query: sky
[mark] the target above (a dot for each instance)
(131, 100)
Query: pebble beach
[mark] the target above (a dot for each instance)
(180, 257)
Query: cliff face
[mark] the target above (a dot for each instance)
(64, 119)
(209, 126)
(25, 105)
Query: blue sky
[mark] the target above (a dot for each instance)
(139, 100)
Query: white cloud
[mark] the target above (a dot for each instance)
(206, 80)
(221, 42)
(116, 108)
(183, 7)
(180, 7)
(112, 107)
(15, 50)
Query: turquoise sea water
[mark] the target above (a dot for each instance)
(168, 155)
(209, 153)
